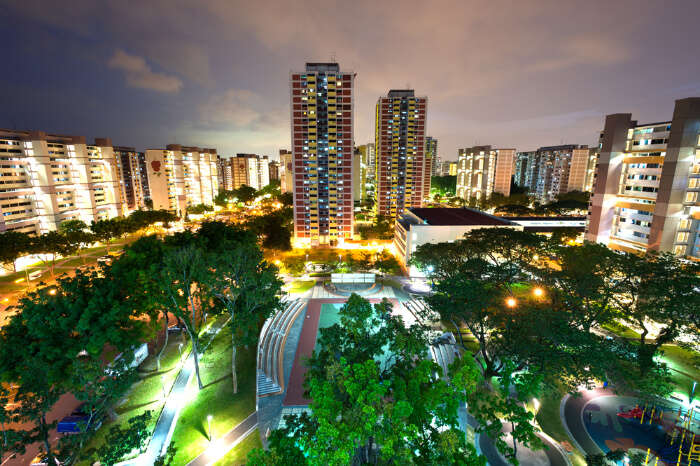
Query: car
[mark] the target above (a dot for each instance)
(77, 422)
(105, 260)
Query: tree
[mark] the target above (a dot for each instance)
(581, 278)
(122, 441)
(53, 244)
(244, 282)
(275, 228)
(168, 458)
(76, 235)
(200, 209)
(493, 409)
(659, 289)
(375, 398)
(183, 289)
(13, 245)
(245, 193)
(107, 229)
(443, 185)
(475, 278)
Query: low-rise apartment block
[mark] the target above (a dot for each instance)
(46, 179)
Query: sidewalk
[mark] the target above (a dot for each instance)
(167, 421)
(219, 447)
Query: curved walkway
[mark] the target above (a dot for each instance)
(223, 445)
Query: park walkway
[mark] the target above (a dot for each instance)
(167, 421)
(220, 447)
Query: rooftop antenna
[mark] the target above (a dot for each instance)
(333, 57)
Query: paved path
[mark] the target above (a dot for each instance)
(223, 445)
(167, 421)
(571, 413)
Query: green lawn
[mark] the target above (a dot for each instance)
(684, 365)
(237, 455)
(216, 398)
(301, 286)
(147, 392)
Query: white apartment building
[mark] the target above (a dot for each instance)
(647, 187)
(46, 179)
(181, 177)
(482, 170)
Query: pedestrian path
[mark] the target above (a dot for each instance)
(220, 447)
(167, 421)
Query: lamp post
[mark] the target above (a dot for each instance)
(209, 422)
(511, 302)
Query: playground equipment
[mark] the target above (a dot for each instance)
(681, 429)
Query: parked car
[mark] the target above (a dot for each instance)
(78, 421)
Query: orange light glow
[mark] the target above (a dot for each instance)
(511, 302)
(19, 280)
(52, 291)
(538, 291)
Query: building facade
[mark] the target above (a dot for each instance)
(647, 185)
(250, 170)
(560, 169)
(286, 171)
(322, 151)
(133, 180)
(525, 169)
(369, 159)
(180, 177)
(274, 170)
(482, 171)
(46, 179)
(400, 144)
(431, 154)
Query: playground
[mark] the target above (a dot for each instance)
(664, 433)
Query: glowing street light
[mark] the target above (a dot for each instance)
(209, 418)
(535, 257)
(538, 292)
(52, 291)
(511, 302)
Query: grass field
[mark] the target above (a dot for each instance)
(550, 422)
(147, 393)
(300, 286)
(237, 455)
(216, 398)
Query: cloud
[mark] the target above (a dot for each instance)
(242, 109)
(139, 74)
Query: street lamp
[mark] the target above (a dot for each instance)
(511, 302)
(538, 292)
(209, 422)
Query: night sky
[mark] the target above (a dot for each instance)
(215, 73)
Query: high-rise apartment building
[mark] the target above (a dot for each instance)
(286, 171)
(47, 179)
(400, 144)
(322, 149)
(133, 181)
(647, 186)
(560, 169)
(181, 177)
(447, 168)
(274, 170)
(431, 153)
(525, 168)
(250, 170)
(358, 176)
(482, 171)
(369, 159)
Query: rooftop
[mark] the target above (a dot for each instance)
(402, 93)
(456, 216)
